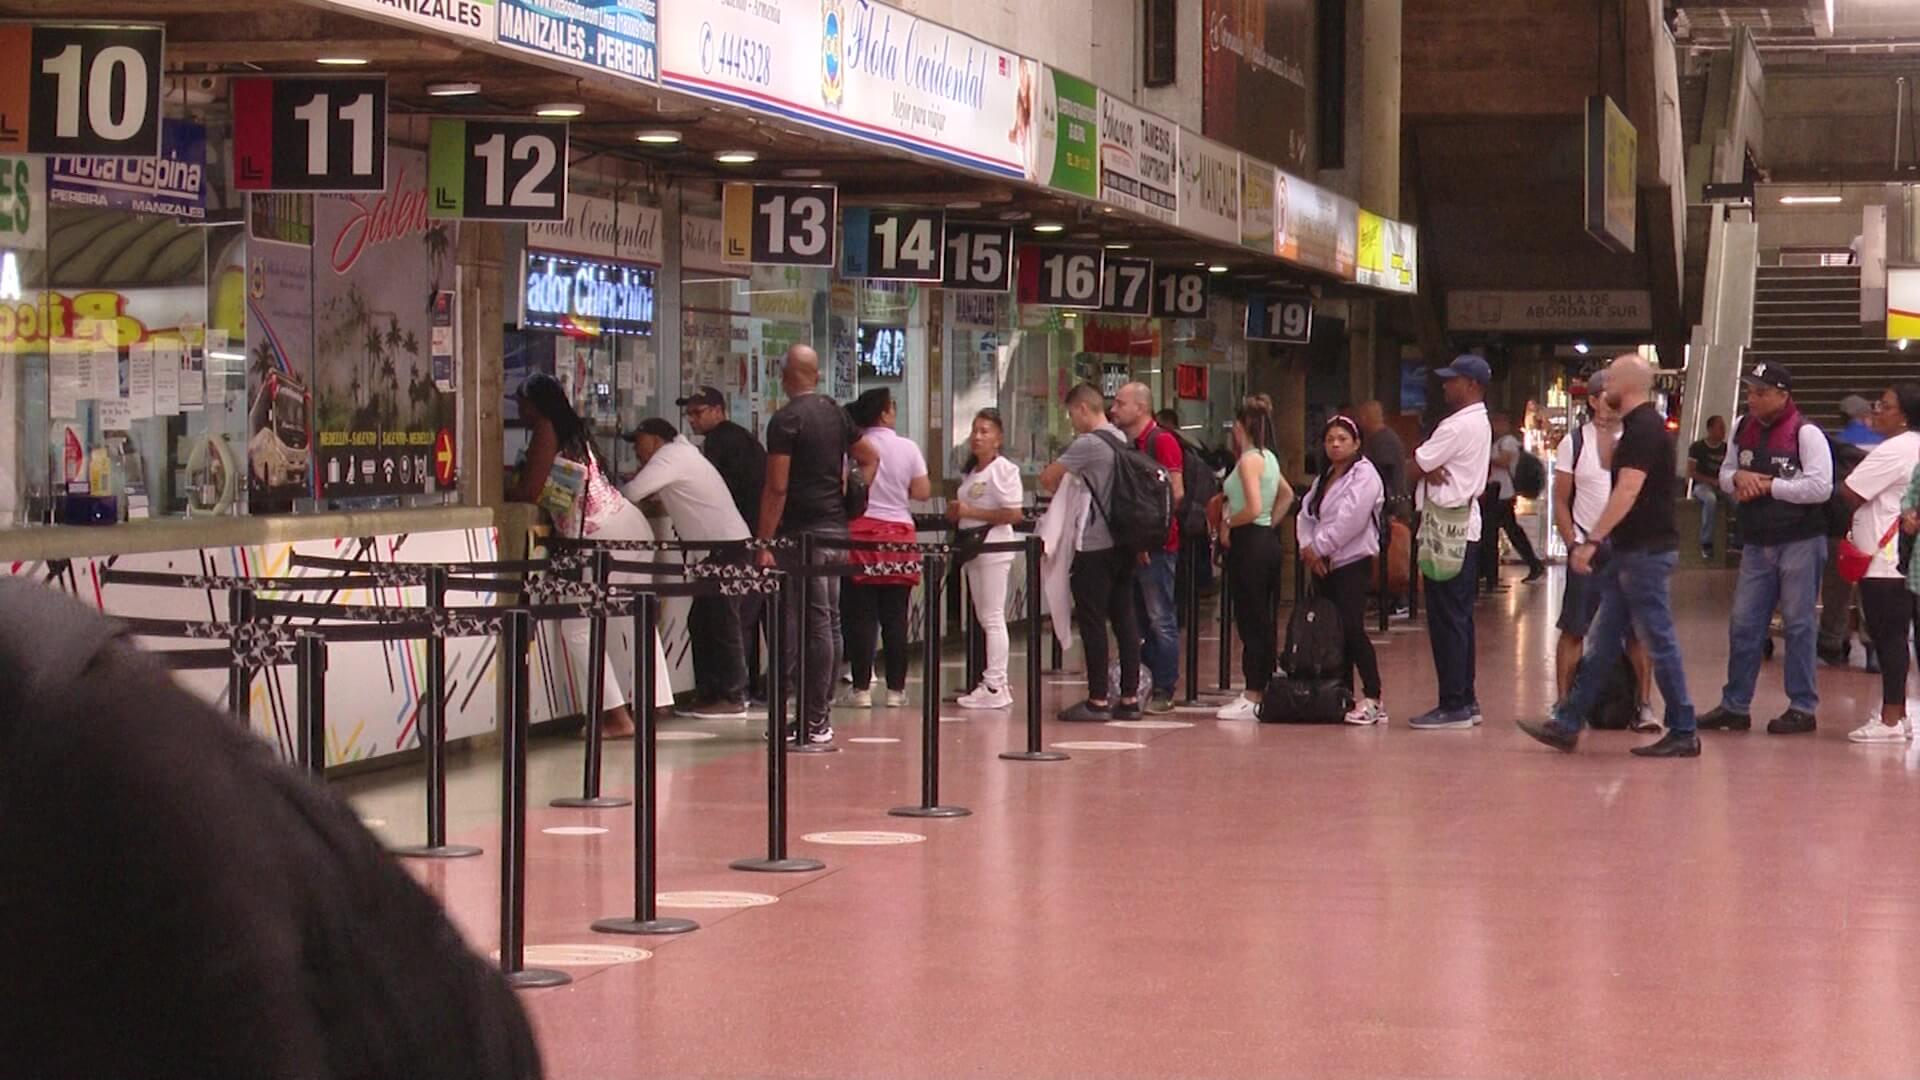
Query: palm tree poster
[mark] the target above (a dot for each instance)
(379, 264)
(279, 291)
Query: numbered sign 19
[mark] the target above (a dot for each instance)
(1180, 294)
(1277, 317)
(84, 90)
(497, 170)
(1127, 286)
(978, 258)
(1060, 275)
(311, 133)
(777, 224)
(892, 245)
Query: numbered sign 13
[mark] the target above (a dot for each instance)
(1180, 294)
(1280, 317)
(978, 258)
(83, 90)
(497, 170)
(310, 133)
(892, 245)
(1061, 275)
(778, 224)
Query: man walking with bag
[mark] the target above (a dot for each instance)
(1451, 467)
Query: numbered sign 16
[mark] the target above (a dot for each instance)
(1280, 317)
(84, 90)
(978, 258)
(1061, 275)
(497, 170)
(892, 245)
(311, 133)
(1127, 286)
(1180, 294)
(778, 224)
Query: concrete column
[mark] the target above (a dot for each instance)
(1363, 346)
(481, 262)
(666, 306)
(1374, 140)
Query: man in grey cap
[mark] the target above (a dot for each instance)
(1451, 471)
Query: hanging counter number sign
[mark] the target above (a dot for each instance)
(978, 258)
(1127, 286)
(310, 133)
(1283, 317)
(778, 224)
(892, 245)
(80, 90)
(1061, 275)
(1180, 294)
(497, 170)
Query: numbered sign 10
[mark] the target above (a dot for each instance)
(84, 90)
(892, 245)
(1127, 286)
(1279, 317)
(778, 224)
(1061, 275)
(497, 170)
(978, 258)
(311, 133)
(1180, 294)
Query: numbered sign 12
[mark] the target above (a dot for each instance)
(1280, 317)
(1061, 275)
(978, 258)
(892, 245)
(778, 224)
(81, 90)
(497, 170)
(310, 133)
(1127, 286)
(1180, 294)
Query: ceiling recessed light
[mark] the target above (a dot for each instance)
(1217, 268)
(800, 174)
(736, 157)
(1581, 347)
(964, 204)
(1119, 245)
(1106, 209)
(342, 61)
(658, 137)
(1808, 200)
(1201, 265)
(563, 110)
(1048, 227)
(452, 89)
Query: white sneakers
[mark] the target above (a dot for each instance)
(1240, 708)
(1874, 731)
(982, 698)
(858, 699)
(1366, 711)
(896, 698)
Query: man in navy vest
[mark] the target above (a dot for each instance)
(1779, 471)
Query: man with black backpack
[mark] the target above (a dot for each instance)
(1132, 413)
(1198, 484)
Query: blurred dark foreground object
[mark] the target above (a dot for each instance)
(176, 903)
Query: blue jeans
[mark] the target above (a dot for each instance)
(1450, 631)
(1786, 576)
(1633, 593)
(1709, 498)
(1159, 622)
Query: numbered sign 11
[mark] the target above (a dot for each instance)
(82, 90)
(978, 258)
(310, 133)
(1282, 317)
(1061, 275)
(1127, 286)
(778, 224)
(497, 170)
(1180, 294)
(892, 245)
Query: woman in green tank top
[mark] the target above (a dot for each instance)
(1243, 518)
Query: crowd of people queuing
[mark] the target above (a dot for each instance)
(1805, 510)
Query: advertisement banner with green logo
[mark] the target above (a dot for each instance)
(1063, 129)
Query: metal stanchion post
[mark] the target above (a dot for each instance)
(516, 636)
(776, 861)
(803, 676)
(1226, 629)
(1413, 572)
(976, 635)
(310, 717)
(1190, 569)
(590, 797)
(930, 567)
(240, 676)
(646, 918)
(433, 737)
(1380, 563)
(1033, 752)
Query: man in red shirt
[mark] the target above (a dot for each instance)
(1132, 413)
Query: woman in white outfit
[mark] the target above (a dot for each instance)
(990, 500)
(600, 512)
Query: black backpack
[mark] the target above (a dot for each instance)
(1139, 505)
(1619, 704)
(1316, 642)
(1529, 475)
(1201, 486)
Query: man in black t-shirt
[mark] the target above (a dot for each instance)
(808, 443)
(742, 464)
(1707, 455)
(1631, 551)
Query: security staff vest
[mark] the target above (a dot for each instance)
(1774, 450)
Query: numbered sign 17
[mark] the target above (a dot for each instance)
(978, 258)
(1127, 286)
(82, 90)
(1180, 294)
(892, 245)
(311, 133)
(1287, 319)
(497, 170)
(1060, 275)
(777, 224)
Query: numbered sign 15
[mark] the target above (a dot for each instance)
(85, 90)
(311, 133)
(497, 170)
(1180, 294)
(778, 224)
(979, 258)
(1279, 317)
(1127, 286)
(1061, 275)
(893, 245)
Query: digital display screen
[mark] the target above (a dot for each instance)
(883, 352)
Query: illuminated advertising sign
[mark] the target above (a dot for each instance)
(585, 297)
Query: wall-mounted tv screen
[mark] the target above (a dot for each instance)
(883, 352)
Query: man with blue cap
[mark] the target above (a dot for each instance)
(1451, 470)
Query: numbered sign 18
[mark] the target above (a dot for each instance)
(84, 90)
(778, 224)
(497, 170)
(1127, 286)
(1060, 275)
(1280, 317)
(893, 245)
(979, 258)
(1180, 294)
(311, 133)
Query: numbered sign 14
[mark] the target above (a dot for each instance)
(978, 258)
(310, 133)
(82, 90)
(778, 224)
(892, 245)
(1061, 275)
(1279, 317)
(497, 170)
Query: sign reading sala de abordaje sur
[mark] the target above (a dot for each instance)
(1571, 310)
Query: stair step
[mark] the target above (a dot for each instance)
(1809, 271)
(1801, 341)
(1808, 296)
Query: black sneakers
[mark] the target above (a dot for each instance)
(1724, 719)
(1552, 734)
(1086, 713)
(1792, 722)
